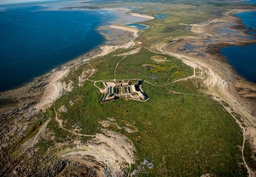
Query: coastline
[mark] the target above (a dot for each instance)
(126, 28)
(49, 83)
(234, 93)
(142, 15)
(205, 33)
(40, 93)
(243, 87)
(217, 76)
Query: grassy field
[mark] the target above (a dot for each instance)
(181, 134)
(142, 66)
(180, 130)
(178, 15)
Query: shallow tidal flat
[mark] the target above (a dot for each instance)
(48, 38)
(186, 127)
(214, 36)
(75, 38)
(242, 58)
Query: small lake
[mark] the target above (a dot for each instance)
(160, 16)
(138, 26)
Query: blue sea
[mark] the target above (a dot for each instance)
(243, 58)
(249, 19)
(34, 40)
(251, 2)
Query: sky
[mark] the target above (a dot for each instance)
(19, 1)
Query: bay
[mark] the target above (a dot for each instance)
(243, 58)
(34, 40)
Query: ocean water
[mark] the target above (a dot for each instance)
(34, 40)
(243, 58)
(251, 2)
(249, 19)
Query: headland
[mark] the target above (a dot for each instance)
(196, 123)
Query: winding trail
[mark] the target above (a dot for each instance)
(212, 83)
(241, 126)
(61, 126)
(125, 56)
(43, 128)
(117, 66)
(157, 85)
(60, 121)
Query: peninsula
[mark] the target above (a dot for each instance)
(159, 101)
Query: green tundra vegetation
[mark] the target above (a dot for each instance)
(178, 15)
(182, 131)
(182, 134)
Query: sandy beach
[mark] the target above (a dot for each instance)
(218, 81)
(126, 17)
(126, 28)
(219, 78)
(51, 86)
(53, 89)
(142, 15)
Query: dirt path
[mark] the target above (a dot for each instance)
(212, 82)
(244, 136)
(125, 56)
(157, 85)
(93, 71)
(60, 121)
(117, 66)
(130, 52)
(42, 129)
(61, 126)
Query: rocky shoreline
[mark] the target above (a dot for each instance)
(31, 92)
(21, 108)
(234, 93)
(208, 44)
(19, 104)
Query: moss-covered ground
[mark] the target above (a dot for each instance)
(180, 130)
(181, 134)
